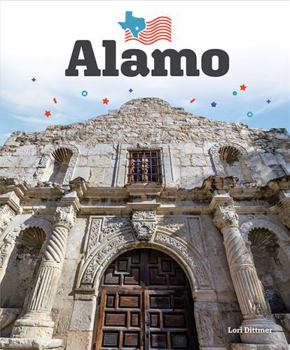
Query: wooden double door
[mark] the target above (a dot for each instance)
(145, 304)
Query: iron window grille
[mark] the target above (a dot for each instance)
(144, 166)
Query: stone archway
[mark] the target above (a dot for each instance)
(145, 303)
(186, 255)
(110, 237)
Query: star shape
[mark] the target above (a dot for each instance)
(33, 79)
(268, 101)
(105, 101)
(47, 114)
(213, 104)
(243, 87)
(130, 90)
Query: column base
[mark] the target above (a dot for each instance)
(31, 344)
(258, 347)
(33, 325)
(263, 331)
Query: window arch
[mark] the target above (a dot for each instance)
(229, 160)
(60, 159)
(271, 271)
(57, 164)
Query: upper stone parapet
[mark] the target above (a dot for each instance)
(154, 121)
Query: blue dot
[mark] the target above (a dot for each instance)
(250, 114)
(235, 93)
(84, 93)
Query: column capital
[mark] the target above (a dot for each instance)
(65, 214)
(225, 215)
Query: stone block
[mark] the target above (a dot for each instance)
(83, 316)
(78, 340)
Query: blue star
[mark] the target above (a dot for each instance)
(33, 79)
(268, 101)
(213, 104)
(130, 90)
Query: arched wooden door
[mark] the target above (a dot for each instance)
(145, 304)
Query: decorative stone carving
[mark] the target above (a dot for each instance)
(144, 224)
(104, 253)
(64, 216)
(111, 225)
(214, 152)
(200, 270)
(175, 224)
(102, 228)
(226, 216)
(46, 158)
(94, 233)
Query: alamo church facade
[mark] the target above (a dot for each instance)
(147, 228)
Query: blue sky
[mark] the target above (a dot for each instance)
(37, 39)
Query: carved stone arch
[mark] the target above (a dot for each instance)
(223, 154)
(215, 155)
(47, 158)
(281, 233)
(186, 256)
(21, 250)
(32, 222)
(269, 244)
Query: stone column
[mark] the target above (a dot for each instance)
(37, 321)
(9, 207)
(248, 288)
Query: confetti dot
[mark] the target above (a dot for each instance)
(235, 93)
(84, 93)
(54, 100)
(192, 100)
(268, 101)
(250, 114)
(33, 79)
(213, 104)
(130, 90)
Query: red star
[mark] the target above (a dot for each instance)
(243, 87)
(105, 101)
(47, 114)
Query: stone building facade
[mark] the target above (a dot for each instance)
(104, 222)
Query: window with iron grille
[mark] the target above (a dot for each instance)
(144, 166)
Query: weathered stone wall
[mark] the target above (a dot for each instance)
(185, 139)
(90, 221)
